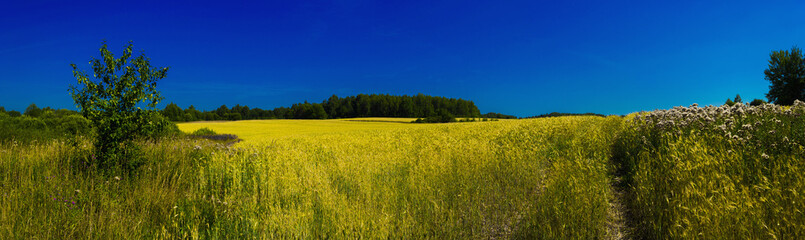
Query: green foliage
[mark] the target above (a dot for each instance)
(32, 123)
(308, 111)
(159, 127)
(33, 111)
(362, 105)
(113, 101)
(173, 112)
(191, 114)
(443, 116)
(498, 115)
(49, 125)
(233, 116)
(737, 98)
(204, 132)
(76, 125)
(729, 102)
(786, 74)
(757, 102)
(13, 113)
(558, 114)
(211, 116)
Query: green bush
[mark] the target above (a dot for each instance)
(757, 102)
(443, 116)
(32, 123)
(75, 124)
(158, 126)
(204, 132)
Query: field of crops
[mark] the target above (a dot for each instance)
(687, 172)
(483, 179)
(258, 130)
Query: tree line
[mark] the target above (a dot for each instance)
(41, 124)
(558, 114)
(497, 115)
(362, 105)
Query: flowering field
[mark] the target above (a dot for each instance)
(524, 178)
(687, 172)
(257, 130)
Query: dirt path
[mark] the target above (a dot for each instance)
(618, 225)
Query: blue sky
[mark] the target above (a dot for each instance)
(515, 57)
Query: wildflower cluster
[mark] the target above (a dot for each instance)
(739, 123)
(61, 196)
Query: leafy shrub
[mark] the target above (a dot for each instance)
(443, 116)
(757, 102)
(75, 124)
(204, 132)
(159, 126)
(32, 123)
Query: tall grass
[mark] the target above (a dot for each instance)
(716, 172)
(542, 178)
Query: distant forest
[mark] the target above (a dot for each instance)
(362, 105)
(557, 114)
(497, 115)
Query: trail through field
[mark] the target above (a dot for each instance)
(618, 225)
(621, 222)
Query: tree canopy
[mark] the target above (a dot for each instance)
(786, 74)
(362, 105)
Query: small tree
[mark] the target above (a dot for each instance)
(729, 102)
(786, 73)
(33, 111)
(757, 102)
(113, 102)
(738, 98)
(173, 112)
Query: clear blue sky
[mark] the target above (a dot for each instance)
(515, 57)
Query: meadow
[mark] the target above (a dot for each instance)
(688, 172)
(476, 180)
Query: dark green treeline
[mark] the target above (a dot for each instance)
(362, 105)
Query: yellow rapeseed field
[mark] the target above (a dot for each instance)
(380, 178)
(341, 179)
(258, 130)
